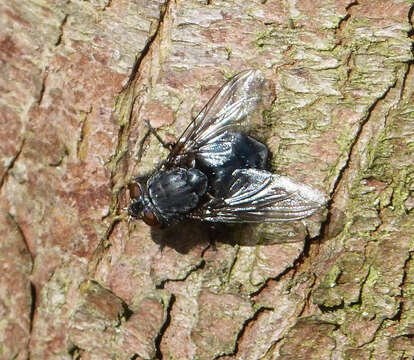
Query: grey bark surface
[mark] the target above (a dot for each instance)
(78, 79)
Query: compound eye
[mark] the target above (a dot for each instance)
(134, 191)
(149, 217)
(134, 209)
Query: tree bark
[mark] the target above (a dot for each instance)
(79, 78)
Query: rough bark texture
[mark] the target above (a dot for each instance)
(78, 78)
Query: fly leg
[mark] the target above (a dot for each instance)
(168, 145)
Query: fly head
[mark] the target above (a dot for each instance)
(140, 206)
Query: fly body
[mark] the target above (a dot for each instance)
(217, 173)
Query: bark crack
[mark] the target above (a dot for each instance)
(352, 146)
(242, 331)
(61, 27)
(74, 352)
(163, 329)
(12, 163)
(42, 89)
(306, 304)
(271, 349)
(410, 34)
(83, 133)
(403, 285)
(147, 48)
(107, 5)
(97, 255)
(344, 20)
(404, 81)
(342, 174)
(22, 236)
(296, 263)
(234, 261)
(64, 153)
(33, 293)
(410, 21)
(32, 307)
(200, 265)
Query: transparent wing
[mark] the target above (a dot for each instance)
(259, 196)
(227, 109)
